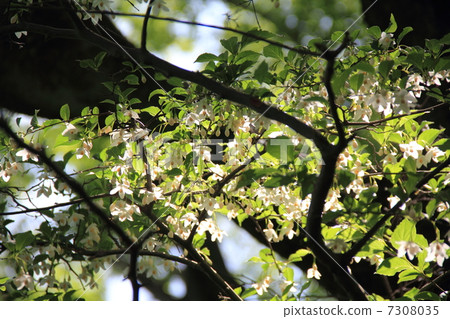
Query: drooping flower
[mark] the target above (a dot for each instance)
(386, 40)
(437, 252)
(151, 196)
(313, 272)
(157, 6)
(403, 101)
(24, 280)
(261, 287)
(412, 149)
(121, 189)
(408, 247)
(70, 130)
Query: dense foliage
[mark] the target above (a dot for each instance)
(321, 153)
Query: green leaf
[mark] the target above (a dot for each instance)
(410, 165)
(393, 265)
(364, 66)
(266, 255)
(155, 92)
(281, 148)
(132, 79)
(206, 57)
(356, 81)
(273, 51)
(23, 240)
(231, 44)
(416, 58)
(427, 295)
(428, 136)
(404, 32)
(152, 110)
(375, 31)
(408, 275)
(252, 175)
(288, 273)
(64, 112)
(385, 67)
(405, 231)
(279, 180)
(248, 293)
(98, 60)
(68, 296)
(344, 178)
(298, 255)
(262, 72)
(392, 26)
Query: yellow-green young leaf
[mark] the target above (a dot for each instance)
(288, 274)
(405, 231)
(392, 26)
(152, 110)
(266, 255)
(391, 266)
(64, 112)
(408, 275)
(428, 136)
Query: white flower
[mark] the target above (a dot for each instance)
(209, 204)
(390, 159)
(434, 153)
(24, 280)
(218, 234)
(74, 219)
(85, 150)
(434, 78)
(386, 40)
(313, 272)
(437, 252)
(191, 119)
(408, 247)
(189, 219)
(154, 195)
(206, 225)
(122, 189)
(403, 100)
(119, 136)
(412, 149)
(70, 130)
(378, 102)
(124, 211)
(270, 233)
(158, 5)
(27, 155)
(93, 232)
(102, 5)
(261, 287)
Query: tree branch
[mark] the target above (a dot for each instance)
(358, 245)
(73, 184)
(144, 26)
